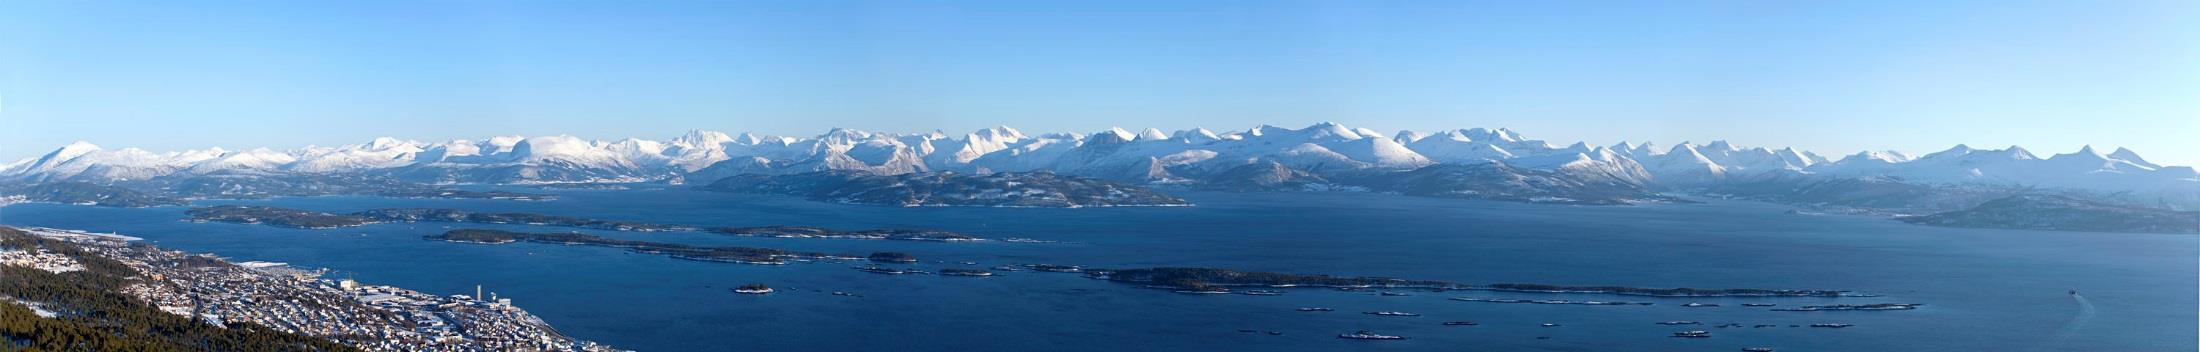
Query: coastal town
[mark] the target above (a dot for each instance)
(293, 300)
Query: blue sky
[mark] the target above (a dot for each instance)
(1833, 77)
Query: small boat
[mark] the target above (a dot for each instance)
(1055, 268)
(1394, 314)
(879, 270)
(1550, 325)
(2073, 292)
(753, 289)
(1679, 322)
(964, 272)
(1461, 323)
(1369, 335)
(1697, 334)
(1315, 309)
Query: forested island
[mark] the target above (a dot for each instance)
(745, 255)
(1663, 292)
(819, 232)
(892, 257)
(456, 215)
(1212, 279)
(445, 193)
(273, 216)
(2065, 213)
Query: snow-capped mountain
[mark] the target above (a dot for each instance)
(1147, 155)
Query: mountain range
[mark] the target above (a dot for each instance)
(1151, 156)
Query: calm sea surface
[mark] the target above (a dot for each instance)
(1984, 290)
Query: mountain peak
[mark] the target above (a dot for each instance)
(2132, 157)
(71, 151)
(1152, 134)
(1113, 135)
(1958, 150)
(1721, 145)
(1000, 132)
(1261, 130)
(1197, 135)
(1331, 129)
(77, 148)
(2087, 154)
(383, 143)
(2018, 152)
(1409, 136)
(702, 139)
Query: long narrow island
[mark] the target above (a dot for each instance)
(307, 219)
(819, 232)
(730, 254)
(1205, 280)
(457, 215)
(300, 218)
(273, 216)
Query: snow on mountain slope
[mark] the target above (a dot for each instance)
(976, 144)
(1594, 163)
(86, 161)
(1152, 134)
(1455, 147)
(1685, 166)
(1196, 136)
(11, 167)
(2015, 166)
(260, 159)
(382, 152)
(2130, 156)
(1380, 152)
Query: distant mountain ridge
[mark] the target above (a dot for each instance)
(1146, 156)
(2049, 212)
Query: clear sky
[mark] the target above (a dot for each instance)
(1831, 76)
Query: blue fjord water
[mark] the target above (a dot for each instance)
(1983, 289)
